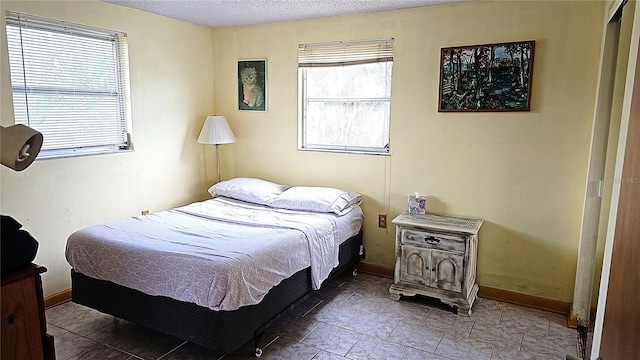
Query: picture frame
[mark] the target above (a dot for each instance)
(252, 85)
(490, 77)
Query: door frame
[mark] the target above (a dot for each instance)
(592, 208)
(615, 197)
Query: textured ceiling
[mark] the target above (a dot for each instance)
(220, 13)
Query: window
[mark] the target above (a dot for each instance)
(345, 96)
(70, 82)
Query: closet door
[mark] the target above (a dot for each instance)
(621, 324)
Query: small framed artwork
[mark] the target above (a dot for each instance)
(491, 77)
(252, 85)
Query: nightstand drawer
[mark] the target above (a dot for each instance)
(433, 240)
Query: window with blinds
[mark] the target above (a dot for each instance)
(345, 96)
(70, 82)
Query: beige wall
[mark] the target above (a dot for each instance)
(171, 93)
(523, 173)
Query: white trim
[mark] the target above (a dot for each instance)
(592, 209)
(614, 6)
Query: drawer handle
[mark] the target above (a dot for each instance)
(431, 240)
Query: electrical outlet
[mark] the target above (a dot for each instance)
(382, 221)
(145, 212)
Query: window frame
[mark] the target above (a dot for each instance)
(339, 54)
(121, 96)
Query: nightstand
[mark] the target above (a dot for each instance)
(436, 256)
(24, 329)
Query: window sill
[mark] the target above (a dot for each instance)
(345, 151)
(61, 154)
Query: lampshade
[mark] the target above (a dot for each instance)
(20, 146)
(216, 131)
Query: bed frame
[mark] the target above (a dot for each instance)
(223, 331)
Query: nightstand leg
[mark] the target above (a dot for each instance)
(394, 294)
(466, 311)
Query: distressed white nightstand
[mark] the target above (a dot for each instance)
(436, 256)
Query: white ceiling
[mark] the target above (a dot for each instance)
(221, 13)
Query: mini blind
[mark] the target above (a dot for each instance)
(69, 82)
(345, 53)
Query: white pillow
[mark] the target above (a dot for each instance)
(251, 190)
(316, 199)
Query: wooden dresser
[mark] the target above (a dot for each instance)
(436, 256)
(24, 329)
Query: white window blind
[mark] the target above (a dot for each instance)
(70, 82)
(345, 96)
(345, 53)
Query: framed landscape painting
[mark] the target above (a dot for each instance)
(252, 85)
(491, 77)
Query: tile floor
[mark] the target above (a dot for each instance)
(349, 318)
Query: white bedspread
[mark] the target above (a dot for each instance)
(219, 253)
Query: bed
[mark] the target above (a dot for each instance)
(217, 272)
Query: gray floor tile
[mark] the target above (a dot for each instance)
(331, 314)
(415, 354)
(332, 339)
(77, 318)
(464, 348)
(350, 318)
(499, 334)
(287, 349)
(449, 323)
(364, 301)
(487, 311)
(70, 345)
(407, 311)
(418, 337)
(323, 355)
(296, 329)
(377, 325)
(513, 354)
(372, 348)
(529, 321)
(135, 339)
(552, 346)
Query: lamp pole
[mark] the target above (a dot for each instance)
(218, 159)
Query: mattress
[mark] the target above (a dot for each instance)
(220, 253)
